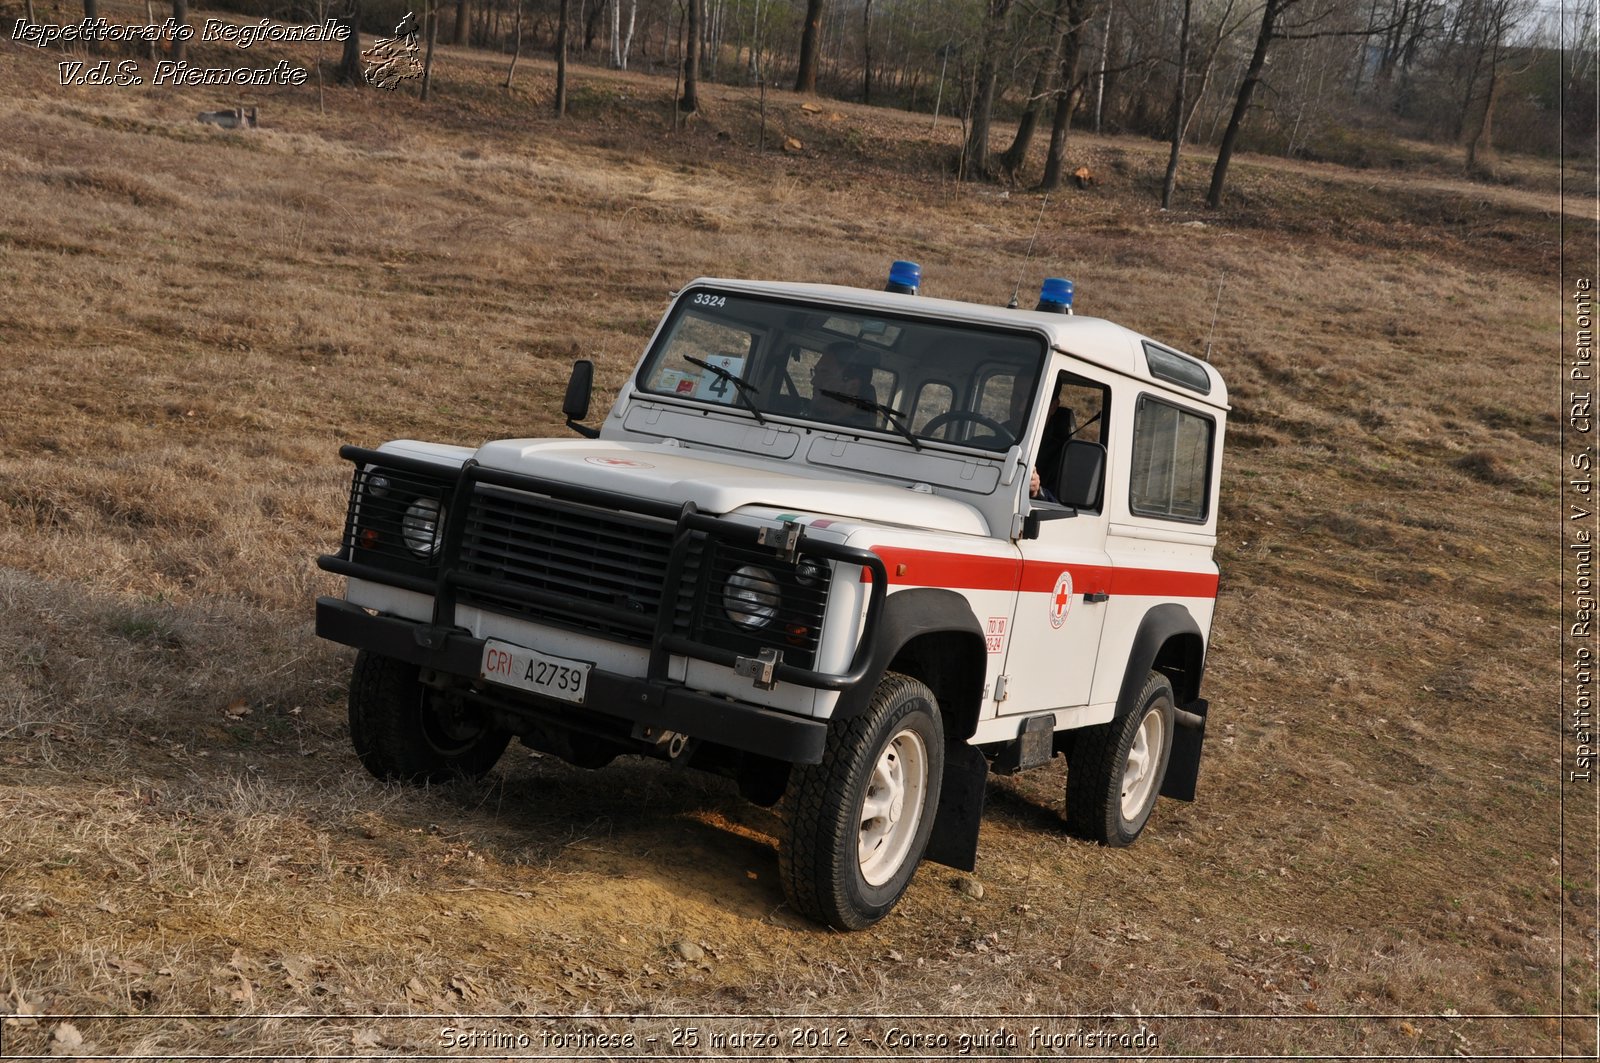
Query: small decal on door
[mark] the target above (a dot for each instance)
(997, 634)
(1061, 599)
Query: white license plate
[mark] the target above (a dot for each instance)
(554, 677)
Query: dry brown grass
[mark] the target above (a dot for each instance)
(195, 321)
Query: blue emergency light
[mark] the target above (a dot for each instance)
(1055, 296)
(905, 278)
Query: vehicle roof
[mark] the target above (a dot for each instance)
(1103, 343)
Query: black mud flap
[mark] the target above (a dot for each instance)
(1183, 769)
(954, 841)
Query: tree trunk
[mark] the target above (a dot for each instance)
(627, 38)
(1016, 156)
(1241, 105)
(1068, 94)
(1481, 150)
(516, 51)
(1100, 71)
(463, 21)
(350, 69)
(561, 62)
(689, 102)
(975, 161)
(866, 52)
(1178, 109)
(806, 79)
(432, 14)
(180, 17)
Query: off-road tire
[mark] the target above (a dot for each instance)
(820, 859)
(1098, 768)
(400, 732)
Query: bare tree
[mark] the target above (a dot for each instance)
(1501, 18)
(975, 161)
(1016, 156)
(1181, 119)
(1068, 93)
(810, 47)
(516, 51)
(180, 17)
(1180, 83)
(431, 16)
(866, 51)
(463, 22)
(561, 62)
(1270, 14)
(350, 68)
(689, 102)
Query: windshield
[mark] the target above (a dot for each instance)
(847, 368)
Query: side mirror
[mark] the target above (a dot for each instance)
(576, 405)
(1083, 473)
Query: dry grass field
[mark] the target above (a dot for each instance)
(194, 320)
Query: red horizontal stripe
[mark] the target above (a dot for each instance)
(932, 568)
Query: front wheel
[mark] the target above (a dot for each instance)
(857, 823)
(404, 730)
(1115, 770)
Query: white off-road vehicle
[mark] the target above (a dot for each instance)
(803, 550)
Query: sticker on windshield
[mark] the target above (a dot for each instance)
(716, 388)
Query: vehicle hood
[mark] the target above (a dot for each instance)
(719, 485)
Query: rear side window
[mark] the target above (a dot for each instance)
(1176, 368)
(1171, 461)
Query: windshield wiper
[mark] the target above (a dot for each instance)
(739, 386)
(896, 418)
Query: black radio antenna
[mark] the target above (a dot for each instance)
(1214, 311)
(1012, 305)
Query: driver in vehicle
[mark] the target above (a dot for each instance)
(841, 369)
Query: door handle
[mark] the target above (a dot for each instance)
(1097, 596)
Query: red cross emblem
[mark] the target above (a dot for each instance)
(1061, 599)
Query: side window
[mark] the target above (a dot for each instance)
(1171, 461)
(1086, 402)
(1079, 409)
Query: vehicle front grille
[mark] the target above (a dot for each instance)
(615, 562)
(604, 571)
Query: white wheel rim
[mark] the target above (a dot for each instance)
(1139, 773)
(892, 807)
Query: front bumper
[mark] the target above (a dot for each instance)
(656, 703)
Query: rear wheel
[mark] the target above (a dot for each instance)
(858, 823)
(404, 730)
(1115, 771)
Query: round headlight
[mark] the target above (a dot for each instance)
(420, 526)
(750, 597)
(378, 486)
